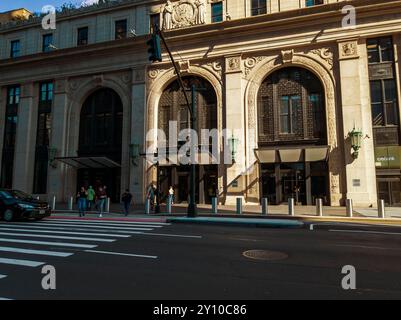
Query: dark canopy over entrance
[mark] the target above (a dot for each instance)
(100, 142)
(292, 137)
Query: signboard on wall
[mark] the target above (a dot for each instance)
(387, 157)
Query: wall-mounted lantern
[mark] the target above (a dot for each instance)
(356, 141)
(134, 153)
(233, 142)
(52, 152)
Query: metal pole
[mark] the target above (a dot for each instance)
(381, 209)
(264, 206)
(319, 207)
(169, 204)
(70, 202)
(291, 210)
(192, 209)
(54, 203)
(214, 205)
(349, 208)
(239, 205)
(108, 205)
(147, 206)
(157, 195)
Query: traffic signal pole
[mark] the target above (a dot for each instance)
(192, 208)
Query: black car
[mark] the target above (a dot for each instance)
(16, 204)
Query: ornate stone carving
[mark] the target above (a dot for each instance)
(153, 73)
(233, 64)
(251, 62)
(348, 50)
(326, 54)
(185, 13)
(183, 66)
(287, 56)
(74, 85)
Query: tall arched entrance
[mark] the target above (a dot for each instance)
(292, 137)
(172, 107)
(100, 142)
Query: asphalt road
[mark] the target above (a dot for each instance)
(181, 261)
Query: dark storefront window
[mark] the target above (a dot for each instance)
(120, 29)
(10, 131)
(258, 7)
(380, 50)
(43, 137)
(82, 37)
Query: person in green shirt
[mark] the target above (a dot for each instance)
(91, 197)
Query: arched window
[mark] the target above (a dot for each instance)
(291, 108)
(101, 125)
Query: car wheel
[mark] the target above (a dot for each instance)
(8, 215)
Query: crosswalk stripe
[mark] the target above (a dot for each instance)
(70, 228)
(54, 237)
(25, 263)
(80, 225)
(4, 299)
(37, 252)
(112, 222)
(105, 224)
(68, 232)
(48, 243)
(2, 276)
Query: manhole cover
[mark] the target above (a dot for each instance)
(265, 255)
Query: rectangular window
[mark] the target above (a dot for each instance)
(120, 29)
(383, 102)
(380, 50)
(154, 22)
(258, 7)
(289, 114)
(217, 12)
(311, 3)
(10, 132)
(43, 136)
(15, 49)
(47, 42)
(82, 36)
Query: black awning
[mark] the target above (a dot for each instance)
(89, 162)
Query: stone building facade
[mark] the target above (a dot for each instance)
(289, 77)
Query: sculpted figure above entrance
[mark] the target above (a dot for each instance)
(184, 13)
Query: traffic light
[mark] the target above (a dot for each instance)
(155, 53)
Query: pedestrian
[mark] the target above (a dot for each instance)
(101, 200)
(126, 200)
(156, 200)
(171, 195)
(82, 195)
(150, 194)
(91, 198)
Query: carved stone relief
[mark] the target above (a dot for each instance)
(348, 50)
(233, 64)
(184, 13)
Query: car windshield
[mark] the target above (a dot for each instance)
(9, 194)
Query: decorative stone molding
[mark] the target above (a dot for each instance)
(287, 56)
(251, 62)
(27, 90)
(153, 74)
(233, 64)
(183, 66)
(184, 13)
(61, 86)
(348, 50)
(326, 54)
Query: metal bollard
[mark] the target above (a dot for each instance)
(264, 206)
(70, 203)
(54, 203)
(381, 209)
(291, 209)
(147, 206)
(319, 207)
(350, 208)
(107, 205)
(214, 205)
(169, 204)
(239, 205)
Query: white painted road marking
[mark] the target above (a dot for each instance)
(170, 235)
(365, 247)
(86, 226)
(2, 276)
(37, 252)
(25, 263)
(363, 231)
(68, 232)
(60, 244)
(71, 228)
(123, 254)
(5, 299)
(54, 237)
(151, 224)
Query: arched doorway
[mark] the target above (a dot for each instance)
(293, 137)
(100, 136)
(172, 107)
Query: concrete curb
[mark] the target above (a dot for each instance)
(250, 222)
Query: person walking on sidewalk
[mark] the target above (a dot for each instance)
(126, 200)
(101, 202)
(171, 195)
(150, 194)
(82, 195)
(91, 198)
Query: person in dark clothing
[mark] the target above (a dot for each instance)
(126, 199)
(82, 195)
